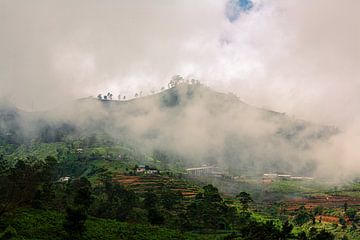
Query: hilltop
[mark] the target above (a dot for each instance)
(190, 121)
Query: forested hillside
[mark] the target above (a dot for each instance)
(191, 121)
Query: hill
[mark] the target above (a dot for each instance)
(190, 121)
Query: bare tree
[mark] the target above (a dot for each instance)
(175, 80)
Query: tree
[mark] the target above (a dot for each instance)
(114, 201)
(83, 196)
(175, 80)
(302, 236)
(286, 230)
(150, 200)
(74, 223)
(18, 185)
(344, 238)
(155, 217)
(208, 210)
(45, 191)
(351, 214)
(320, 235)
(8, 233)
(318, 210)
(4, 165)
(76, 211)
(170, 198)
(211, 194)
(353, 226)
(302, 216)
(253, 230)
(151, 204)
(245, 199)
(50, 170)
(342, 221)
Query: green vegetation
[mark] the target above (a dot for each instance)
(45, 224)
(64, 185)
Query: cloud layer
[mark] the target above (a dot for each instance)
(295, 57)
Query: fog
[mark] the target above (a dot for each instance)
(196, 125)
(297, 57)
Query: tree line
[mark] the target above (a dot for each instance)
(175, 81)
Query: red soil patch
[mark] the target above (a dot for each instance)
(328, 219)
(326, 201)
(188, 194)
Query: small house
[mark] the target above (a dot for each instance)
(284, 176)
(144, 169)
(140, 169)
(64, 179)
(79, 150)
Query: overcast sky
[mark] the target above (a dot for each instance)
(299, 57)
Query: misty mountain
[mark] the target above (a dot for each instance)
(190, 121)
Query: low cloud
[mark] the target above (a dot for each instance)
(293, 57)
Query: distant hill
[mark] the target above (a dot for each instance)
(190, 121)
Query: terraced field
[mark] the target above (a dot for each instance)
(144, 183)
(325, 201)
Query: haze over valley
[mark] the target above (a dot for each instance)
(207, 119)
